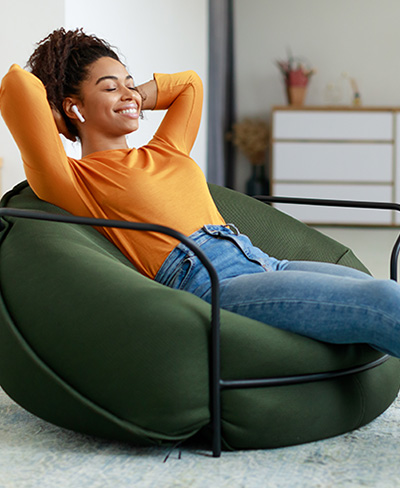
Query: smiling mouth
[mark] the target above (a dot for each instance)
(128, 111)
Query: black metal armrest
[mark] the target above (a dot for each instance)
(347, 204)
(215, 369)
(217, 384)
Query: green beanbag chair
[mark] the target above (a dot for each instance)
(89, 344)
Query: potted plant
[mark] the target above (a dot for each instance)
(251, 136)
(296, 75)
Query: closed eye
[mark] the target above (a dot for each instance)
(113, 89)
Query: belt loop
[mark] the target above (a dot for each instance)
(233, 228)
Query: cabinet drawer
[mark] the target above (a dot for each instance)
(329, 215)
(333, 125)
(350, 162)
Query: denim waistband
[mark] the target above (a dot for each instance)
(231, 253)
(166, 272)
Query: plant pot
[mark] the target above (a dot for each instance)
(296, 94)
(257, 184)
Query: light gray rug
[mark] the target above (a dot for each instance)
(34, 454)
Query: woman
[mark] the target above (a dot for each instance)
(79, 87)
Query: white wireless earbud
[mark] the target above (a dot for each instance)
(75, 109)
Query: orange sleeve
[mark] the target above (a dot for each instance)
(182, 95)
(27, 113)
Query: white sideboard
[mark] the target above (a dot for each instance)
(339, 153)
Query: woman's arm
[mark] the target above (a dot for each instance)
(27, 113)
(181, 94)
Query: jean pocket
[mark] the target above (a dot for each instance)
(181, 275)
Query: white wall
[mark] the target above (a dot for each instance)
(361, 37)
(155, 35)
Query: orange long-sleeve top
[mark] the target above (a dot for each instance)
(157, 183)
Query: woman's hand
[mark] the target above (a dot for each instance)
(148, 93)
(61, 125)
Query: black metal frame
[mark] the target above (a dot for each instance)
(217, 384)
(215, 371)
(321, 202)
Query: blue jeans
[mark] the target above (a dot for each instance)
(327, 302)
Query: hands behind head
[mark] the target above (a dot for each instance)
(61, 125)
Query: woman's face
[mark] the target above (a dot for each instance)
(109, 104)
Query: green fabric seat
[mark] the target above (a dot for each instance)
(89, 344)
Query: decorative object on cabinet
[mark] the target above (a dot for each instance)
(337, 152)
(252, 137)
(354, 87)
(296, 75)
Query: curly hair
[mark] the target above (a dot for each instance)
(61, 61)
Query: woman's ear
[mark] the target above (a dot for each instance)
(71, 108)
